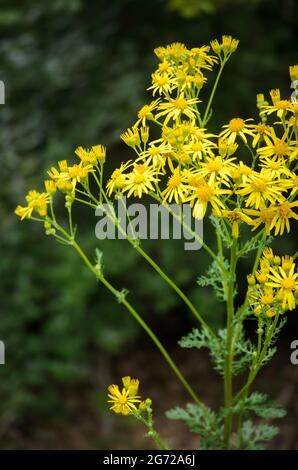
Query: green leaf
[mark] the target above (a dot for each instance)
(254, 435)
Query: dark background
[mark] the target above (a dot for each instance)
(75, 74)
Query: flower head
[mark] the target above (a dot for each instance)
(237, 127)
(124, 401)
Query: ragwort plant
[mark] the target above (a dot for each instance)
(189, 165)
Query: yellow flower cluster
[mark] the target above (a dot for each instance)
(244, 174)
(274, 287)
(65, 179)
(188, 164)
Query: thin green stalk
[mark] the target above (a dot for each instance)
(141, 322)
(157, 268)
(153, 433)
(253, 374)
(213, 92)
(165, 277)
(259, 253)
(228, 384)
(241, 413)
(195, 235)
(221, 254)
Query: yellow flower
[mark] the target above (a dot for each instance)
(131, 137)
(144, 134)
(226, 47)
(162, 83)
(176, 107)
(287, 285)
(262, 276)
(292, 182)
(280, 107)
(77, 173)
(271, 313)
(237, 127)
(293, 69)
(251, 280)
(35, 202)
(118, 178)
(156, 154)
(199, 58)
(172, 53)
(267, 297)
(199, 149)
(263, 216)
(204, 194)
(176, 189)
(86, 157)
(241, 171)
(100, 153)
(276, 147)
(282, 213)
(268, 254)
(235, 217)
(184, 80)
(259, 188)
(97, 154)
(146, 113)
(124, 401)
(287, 262)
(50, 187)
(225, 149)
(140, 180)
(217, 168)
(61, 173)
(23, 212)
(276, 166)
(261, 130)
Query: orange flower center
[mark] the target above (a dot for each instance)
(281, 148)
(144, 111)
(174, 181)
(284, 210)
(259, 186)
(288, 283)
(214, 165)
(236, 125)
(204, 193)
(282, 104)
(122, 400)
(180, 103)
(139, 178)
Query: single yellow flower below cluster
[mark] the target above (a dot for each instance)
(126, 400)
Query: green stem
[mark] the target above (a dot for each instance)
(204, 120)
(153, 433)
(190, 231)
(163, 275)
(255, 361)
(258, 365)
(228, 384)
(174, 287)
(141, 322)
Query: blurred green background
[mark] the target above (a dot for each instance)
(75, 74)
